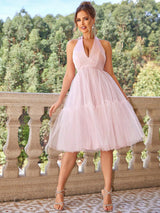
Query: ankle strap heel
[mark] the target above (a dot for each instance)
(59, 203)
(104, 194)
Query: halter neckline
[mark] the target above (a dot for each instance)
(91, 50)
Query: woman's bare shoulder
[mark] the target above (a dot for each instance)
(71, 43)
(106, 44)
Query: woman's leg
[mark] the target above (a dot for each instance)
(67, 164)
(106, 165)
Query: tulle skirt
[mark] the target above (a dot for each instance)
(96, 116)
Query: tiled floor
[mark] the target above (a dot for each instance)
(129, 201)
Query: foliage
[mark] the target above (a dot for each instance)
(148, 81)
(33, 50)
(44, 132)
(2, 158)
(44, 136)
(80, 155)
(23, 134)
(3, 133)
(124, 69)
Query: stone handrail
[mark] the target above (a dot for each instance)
(33, 184)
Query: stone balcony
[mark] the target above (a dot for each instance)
(33, 184)
(146, 200)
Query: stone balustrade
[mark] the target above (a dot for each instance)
(34, 184)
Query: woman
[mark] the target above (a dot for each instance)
(97, 114)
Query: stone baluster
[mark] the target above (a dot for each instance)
(121, 163)
(89, 166)
(153, 141)
(33, 148)
(52, 166)
(136, 161)
(12, 149)
(75, 169)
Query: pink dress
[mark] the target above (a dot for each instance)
(96, 115)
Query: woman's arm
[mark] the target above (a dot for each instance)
(68, 77)
(108, 65)
(70, 71)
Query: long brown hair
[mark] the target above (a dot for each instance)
(87, 7)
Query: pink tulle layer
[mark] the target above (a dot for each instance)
(96, 116)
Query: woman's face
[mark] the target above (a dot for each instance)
(84, 21)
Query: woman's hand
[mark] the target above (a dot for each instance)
(54, 107)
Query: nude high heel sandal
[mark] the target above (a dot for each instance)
(59, 203)
(104, 194)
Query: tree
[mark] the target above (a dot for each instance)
(108, 29)
(137, 54)
(148, 81)
(14, 78)
(58, 45)
(34, 40)
(53, 74)
(33, 50)
(123, 15)
(154, 44)
(19, 28)
(1, 32)
(9, 31)
(124, 69)
(42, 27)
(50, 20)
(146, 18)
(31, 75)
